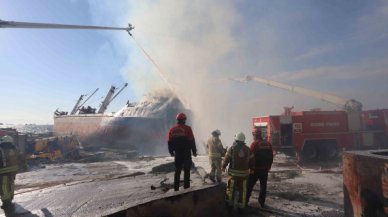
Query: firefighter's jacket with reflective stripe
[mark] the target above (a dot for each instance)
(263, 155)
(239, 159)
(8, 158)
(215, 148)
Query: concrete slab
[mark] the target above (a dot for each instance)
(98, 190)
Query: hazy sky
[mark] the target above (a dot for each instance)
(340, 47)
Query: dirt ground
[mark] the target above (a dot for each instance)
(311, 190)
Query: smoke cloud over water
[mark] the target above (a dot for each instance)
(199, 44)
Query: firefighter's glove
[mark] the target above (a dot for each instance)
(195, 154)
(172, 154)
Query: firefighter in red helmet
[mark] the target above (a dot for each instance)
(262, 151)
(181, 143)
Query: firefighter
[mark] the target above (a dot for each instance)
(262, 151)
(9, 167)
(216, 152)
(240, 161)
(181, 143)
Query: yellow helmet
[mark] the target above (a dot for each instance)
(239, 137)
(6, 139)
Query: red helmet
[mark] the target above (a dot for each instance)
(181, 116)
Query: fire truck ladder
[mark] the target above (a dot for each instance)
(349, 105)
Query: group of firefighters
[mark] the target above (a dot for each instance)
(246, 164)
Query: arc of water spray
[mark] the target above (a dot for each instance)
(162, 74)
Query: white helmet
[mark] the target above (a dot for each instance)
(239, 137)
(216, 132)
(6, 139)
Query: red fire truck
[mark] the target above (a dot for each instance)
(322, 134)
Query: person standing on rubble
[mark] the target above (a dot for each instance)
(240, 161)
(263, 153)
(216, 152)
(181, 143)
(9, 160)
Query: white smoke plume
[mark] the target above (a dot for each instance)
(196, 49)
(190, 43)
(199, 44)
(156, 104)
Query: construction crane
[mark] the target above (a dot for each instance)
(349, 105)
(15, 24)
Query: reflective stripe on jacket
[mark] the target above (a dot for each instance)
(215, 155)
(11, 169)
(238, 173)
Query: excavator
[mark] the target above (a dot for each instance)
(56, 147)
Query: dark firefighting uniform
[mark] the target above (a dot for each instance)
(262, 151)
(181, 143)
(240, 161)
(8, 169)
(216, 150)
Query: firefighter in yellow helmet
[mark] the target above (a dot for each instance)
(240, 161)
(8, 168)
(216, 152)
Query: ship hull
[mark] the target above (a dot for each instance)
(146, 135)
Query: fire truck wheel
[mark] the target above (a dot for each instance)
(309, 152)
(330, 151)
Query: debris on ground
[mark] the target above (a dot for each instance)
(292, 191)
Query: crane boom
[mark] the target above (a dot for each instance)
(349, 105)
(109, 98)
(125, 85)
(75, 108)
(78, 107)
(14, 24)
(105, 103)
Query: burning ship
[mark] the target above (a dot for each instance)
(141, 126)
